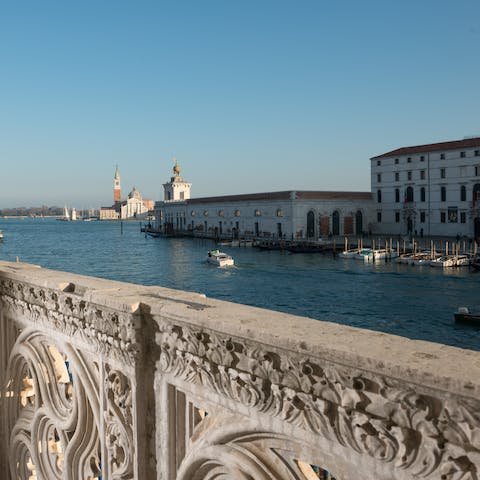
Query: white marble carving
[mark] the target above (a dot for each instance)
(76, 363)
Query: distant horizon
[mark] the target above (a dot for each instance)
(250, 97)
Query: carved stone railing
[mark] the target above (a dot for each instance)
(109, 380)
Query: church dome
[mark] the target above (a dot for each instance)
(134, 194)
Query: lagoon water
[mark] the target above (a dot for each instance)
(415, 302)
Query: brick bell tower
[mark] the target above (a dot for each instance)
(116, 186)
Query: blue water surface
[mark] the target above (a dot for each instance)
(415, 302)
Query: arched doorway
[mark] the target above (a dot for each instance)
(310, 224)
(409, 225)
(358, 222)
(336, 223)
(476, 228)
(476, 207)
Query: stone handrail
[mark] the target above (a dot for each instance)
(103, 379)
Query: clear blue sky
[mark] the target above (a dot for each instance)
(250, 96)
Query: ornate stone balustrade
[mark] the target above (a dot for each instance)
(109, 380)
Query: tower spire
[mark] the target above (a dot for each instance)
(116, 186)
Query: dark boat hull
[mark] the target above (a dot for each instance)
(467, 318)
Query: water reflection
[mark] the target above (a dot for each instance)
(417, 302)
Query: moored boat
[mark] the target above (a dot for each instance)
(475, 263)
(445, 261)
(220, 259)
(371, 255)
(349, 253)
(464, 315)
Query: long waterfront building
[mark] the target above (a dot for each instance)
(429, 189)
(286, 214)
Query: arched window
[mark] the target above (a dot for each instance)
(409, 195)
(422, 194)
(310, 224)
(476, 192)
(257, 213)
(463, 193)
(359, 222)
(279, 212)
(336, 223)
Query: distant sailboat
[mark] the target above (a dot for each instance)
(66, 215)
(74, 214)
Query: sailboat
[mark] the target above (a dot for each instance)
(66, 215)
(74, 214)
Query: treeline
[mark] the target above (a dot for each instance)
(44, 211)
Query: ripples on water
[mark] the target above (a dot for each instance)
(416, 302)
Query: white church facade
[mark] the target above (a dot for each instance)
(287, 214)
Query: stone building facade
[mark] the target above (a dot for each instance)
(286, 214)
(431, 189)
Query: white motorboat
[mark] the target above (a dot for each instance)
(444, 261)
(364, 254)
(420, 258)
(349, 253)
(220, 259)
(463, 260)
(370, 255)
(1, 235)
(404, 258)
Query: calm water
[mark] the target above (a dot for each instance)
(415, 302)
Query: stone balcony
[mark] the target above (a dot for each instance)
(108, 380)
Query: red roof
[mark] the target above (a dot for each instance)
(285, 195)
(433, 147)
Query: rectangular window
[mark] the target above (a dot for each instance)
(443, 194)
(409, 175)
(422, 158)
(463, 217)
(452, 215)
(378, 163)
(379, 217)
(477, 171)
(379, 177)
(396, 161)
(443, 217)
(397, 177)
(477, 153)
(462, 154)
(397, 217)
(442, 156)
(422, 217)
(422, 174)
(443, 173)
(409, 160)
